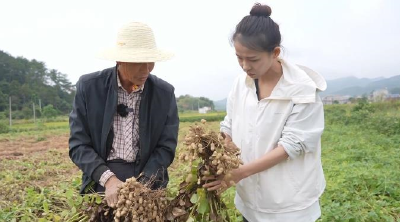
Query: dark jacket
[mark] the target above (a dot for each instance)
(92, 116)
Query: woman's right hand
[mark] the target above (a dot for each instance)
(229, 144)
(227, 138)
(223, 182)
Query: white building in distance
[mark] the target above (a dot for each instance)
(205, 109)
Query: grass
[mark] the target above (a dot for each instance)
(193, 117)
(362, 172)
(361, 161)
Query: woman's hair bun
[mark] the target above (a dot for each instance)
(260, 10)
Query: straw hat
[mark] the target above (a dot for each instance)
(135, 43)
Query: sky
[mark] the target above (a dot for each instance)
(335, 38)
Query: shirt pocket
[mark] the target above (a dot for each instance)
(277, 188)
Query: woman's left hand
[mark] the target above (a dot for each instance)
(224, 182)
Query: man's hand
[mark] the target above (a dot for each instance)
(111, 191)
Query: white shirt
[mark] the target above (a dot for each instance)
(311, 213)
(293, 117)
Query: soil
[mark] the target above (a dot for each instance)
(18, 148)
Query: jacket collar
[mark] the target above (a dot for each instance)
(298, 83)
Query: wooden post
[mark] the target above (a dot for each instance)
(9, 99)
(34, 113)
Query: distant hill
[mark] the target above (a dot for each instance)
(29, 82)
(354, 86)
(347, 82)
(220, 105)
(351, 86)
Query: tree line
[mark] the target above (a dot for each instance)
(189, 103)
(29, 82)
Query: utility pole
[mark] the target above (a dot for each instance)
(34, 113)
(9, 99)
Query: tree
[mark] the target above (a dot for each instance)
(27, 112)
(60, 80)
(190, 103)
(49, 112)
(3, 101)
(3, 128)
(27, 81)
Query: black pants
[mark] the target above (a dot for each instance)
(122, 171)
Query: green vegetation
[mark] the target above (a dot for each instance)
(189, 103)
(361, 159)
(60, 122)
(27, 82)
(49, 112)
(360, 154)
(196, 117)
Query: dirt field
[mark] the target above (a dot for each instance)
(37, 161)
(23, 147)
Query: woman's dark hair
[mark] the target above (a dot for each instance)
(258, 31)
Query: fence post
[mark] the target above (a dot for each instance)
(34, 113)
(9, 99)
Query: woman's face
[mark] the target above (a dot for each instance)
(254, 63)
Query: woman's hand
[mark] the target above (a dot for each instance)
(229, 144)
(223, 182)
(227, 138)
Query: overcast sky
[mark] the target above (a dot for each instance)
(336, 38)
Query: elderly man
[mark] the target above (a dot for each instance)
(124, 121)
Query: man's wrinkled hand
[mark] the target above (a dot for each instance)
(111, 191)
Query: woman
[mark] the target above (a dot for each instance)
(276, 117)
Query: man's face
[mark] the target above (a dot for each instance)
(135, 73)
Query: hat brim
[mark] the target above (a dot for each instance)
(145, 55)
